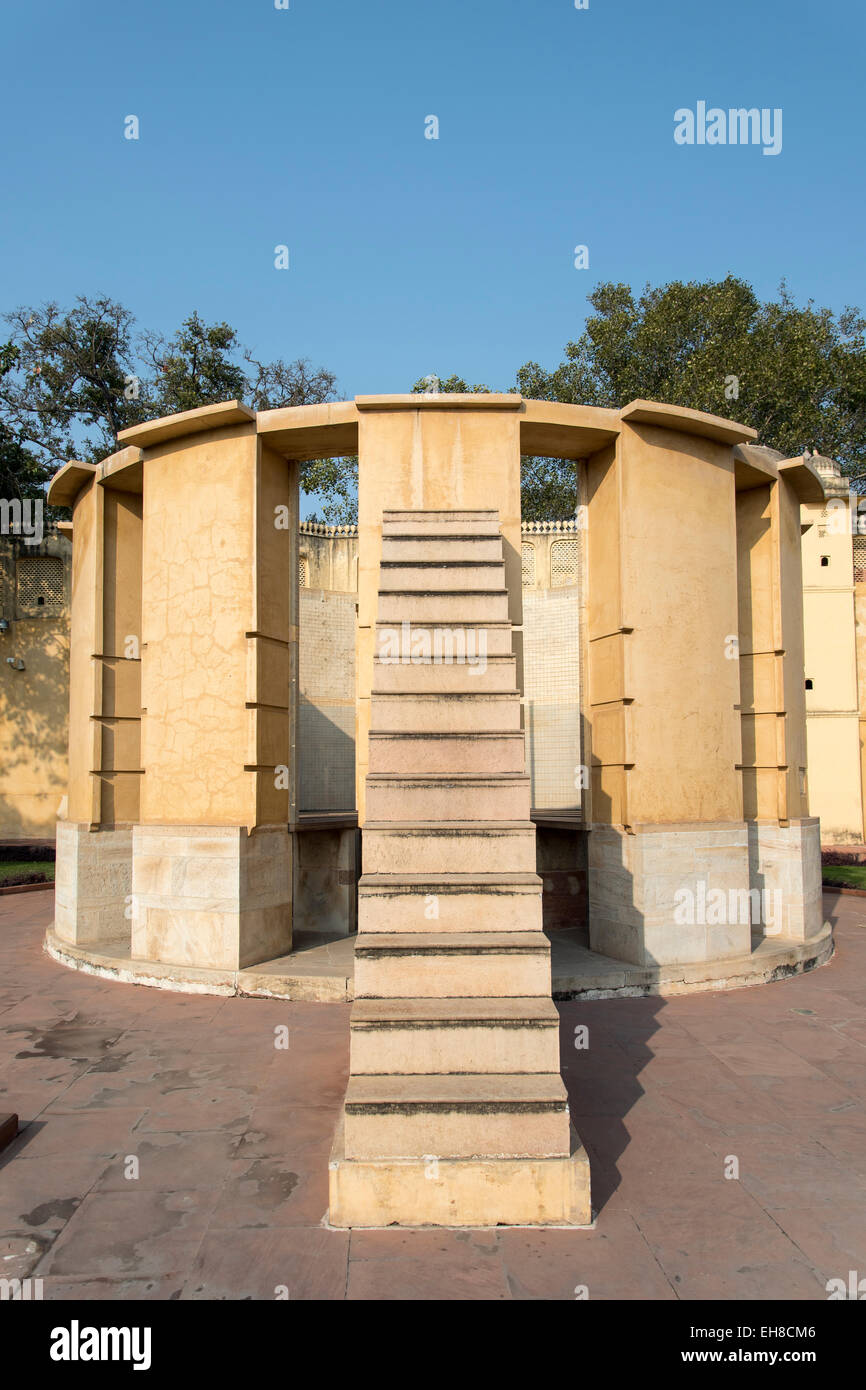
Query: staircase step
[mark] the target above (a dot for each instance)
(433, 523)
(454, 1037)
(465, 546)
(406, 643)
(457, 1115)
(391, 1036)
(457, 797)
(488, 673)
(392, 751)
(454, 606)
(393, 847)
(451, 965)
(532, 1008)
(411, 903)
(440, 575)
(492, 711)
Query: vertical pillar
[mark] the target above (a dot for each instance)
(212, 854)
(784, 841)
(667, 825)
(94, 841)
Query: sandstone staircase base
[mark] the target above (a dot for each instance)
(455, 1112)
(458, 1192)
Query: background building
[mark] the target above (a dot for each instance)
(835, 680)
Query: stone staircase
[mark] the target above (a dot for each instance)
(454, 1089)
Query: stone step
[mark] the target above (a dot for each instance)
(449, 903)
(439, 523)
(491, 711)
(460, 547)
(465, 607)
(486, 847)
(456, 1116)
(440, 643)
(471, 1193)
(464, 796)
(451, 965)
(440, 576)
(426, 1036)
(391, 751)
(405, 677)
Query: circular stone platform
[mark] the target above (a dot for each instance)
(322, 969)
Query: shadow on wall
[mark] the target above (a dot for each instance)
(33, 723)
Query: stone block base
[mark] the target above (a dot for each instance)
(211, 896)
(459, 1191)
(785, 867)
(93, 885)
(669, 894)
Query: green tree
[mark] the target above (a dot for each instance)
(195, 367)
(548, 488)
(71, 380)
(335, 482)
(21, 473)
(273, 385)
(72, 386)
(797, 375)
(434, 384)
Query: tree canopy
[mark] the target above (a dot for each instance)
(71, 380)
(796, 375)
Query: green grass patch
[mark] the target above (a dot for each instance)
(844, 875)
(25, 871)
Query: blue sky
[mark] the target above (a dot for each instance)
(305, 127)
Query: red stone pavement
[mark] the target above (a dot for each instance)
(232, 1138)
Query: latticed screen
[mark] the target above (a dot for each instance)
(563, 563)
(40, 582)
(859, 559)
(302, 573)
(527, 555)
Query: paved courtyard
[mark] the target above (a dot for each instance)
(231, 1135)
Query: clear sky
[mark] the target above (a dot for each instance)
(306, 127)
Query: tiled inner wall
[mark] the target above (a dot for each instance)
(326, 708)
(551, 663)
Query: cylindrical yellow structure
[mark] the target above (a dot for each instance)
(177, 841)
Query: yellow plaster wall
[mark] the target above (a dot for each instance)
(120, 660)
(84, 669)
(662, 605)
(771, 653)
(273, 642)
(860, 632)
(33, 721)
(198, 603)
(790, 562)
